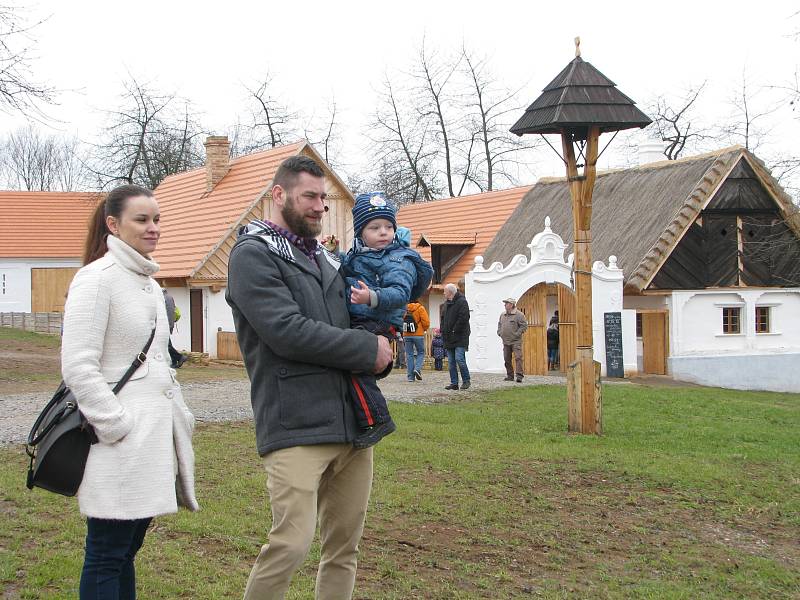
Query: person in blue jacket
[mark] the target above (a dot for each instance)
(383, 275)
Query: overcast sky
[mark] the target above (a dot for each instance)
(318, 50)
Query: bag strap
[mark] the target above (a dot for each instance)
(137, 362)
(34, 438)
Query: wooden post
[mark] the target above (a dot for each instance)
(583, 389)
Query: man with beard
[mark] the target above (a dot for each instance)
(292, 323)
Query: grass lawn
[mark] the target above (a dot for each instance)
(691, 493)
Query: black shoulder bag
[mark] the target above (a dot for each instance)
(59, 440)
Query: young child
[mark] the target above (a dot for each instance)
(437, 349)
(383, 275)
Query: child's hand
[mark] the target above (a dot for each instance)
(360, 294)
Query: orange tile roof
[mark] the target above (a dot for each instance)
(477, 217)
(457, 239)
(194, 222)
(44, 224)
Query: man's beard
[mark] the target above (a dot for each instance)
(297, 222)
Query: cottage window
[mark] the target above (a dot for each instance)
(762, 319)
(638, 324)
(731, 319)
(3, 285)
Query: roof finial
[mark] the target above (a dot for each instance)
(577, 47)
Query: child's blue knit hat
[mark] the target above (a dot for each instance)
(369, 206)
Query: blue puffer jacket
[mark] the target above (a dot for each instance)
(397, 274)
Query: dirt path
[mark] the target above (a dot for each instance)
(230, 400)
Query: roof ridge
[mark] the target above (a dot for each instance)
(661, 164)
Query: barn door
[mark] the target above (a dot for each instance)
(49, 288)
(196, 319)
(533, 305)
(567, 329)
(654, 342)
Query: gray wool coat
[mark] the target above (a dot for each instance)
(293, 328)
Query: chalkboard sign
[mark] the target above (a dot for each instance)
(613, 327)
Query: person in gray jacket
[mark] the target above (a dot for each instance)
(510, 327)
(293, 326)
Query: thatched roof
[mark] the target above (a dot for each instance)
(638, 214)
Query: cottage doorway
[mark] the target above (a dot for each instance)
(533, 305)
(196, 319)
(654, 342)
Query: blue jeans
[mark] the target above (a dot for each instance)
(108, 570)
(412, 343)
(457, 361)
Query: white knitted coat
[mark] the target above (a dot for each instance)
(145, 432)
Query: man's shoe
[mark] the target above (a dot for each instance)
(465, 385)
(519, 378)
(374, 434)
(509, 378)
(418, 375)
(452, 386)
(179, 363)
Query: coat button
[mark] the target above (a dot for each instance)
(159, 356)
(169, 394)
(283, 371)
(148, 288)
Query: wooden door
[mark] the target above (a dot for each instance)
(654, 342)
(567, 328)
(49, 288)
(533, 305)
(196, 319)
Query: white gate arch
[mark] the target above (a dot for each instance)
(486, 288)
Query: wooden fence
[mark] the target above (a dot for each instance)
(40, 322)
(228, 347)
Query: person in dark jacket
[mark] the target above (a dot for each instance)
(437, 349)
(292, 323)
(176, 358)
(455, 333)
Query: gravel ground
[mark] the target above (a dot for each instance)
(230, 400)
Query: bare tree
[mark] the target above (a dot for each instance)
(434, 80)
(325, 136)
(746, 125)
(402, 149)
(32, 161)
(151, 136)
(19, 92)
(676, 123)
(491, 110)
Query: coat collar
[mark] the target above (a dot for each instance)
(129, 258)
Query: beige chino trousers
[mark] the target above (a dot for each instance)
(329, 482)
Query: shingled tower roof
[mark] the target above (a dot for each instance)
(578, 98)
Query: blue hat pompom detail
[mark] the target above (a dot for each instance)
(372, 205)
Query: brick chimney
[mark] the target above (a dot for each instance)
(218, 160)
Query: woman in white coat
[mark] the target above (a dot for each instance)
(143, 463)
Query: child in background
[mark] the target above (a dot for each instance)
(383, 275)
(437, 349)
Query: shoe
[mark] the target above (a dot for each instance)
(452, 386)
(519, 378)
(374, 434)
(465, 385)
(418, 375)
(412, 380)
(508, 378)
(179, 363)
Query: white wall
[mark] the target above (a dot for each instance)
(485, 289)
(217, 314)
(17, 296)
(700, 352)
